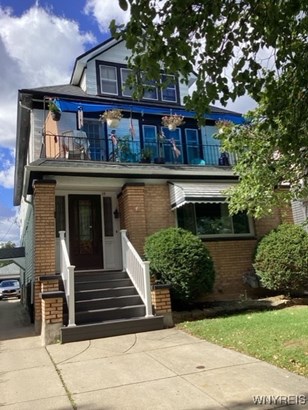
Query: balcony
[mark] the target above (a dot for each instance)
(126, 150)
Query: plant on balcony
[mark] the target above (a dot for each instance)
(146, 155)
(172, 121)
(54, 111)
(223, 125)
(112, 117)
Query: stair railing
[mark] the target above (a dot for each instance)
(138, 271)
(68, 277)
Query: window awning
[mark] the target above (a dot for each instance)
(74, 106)
(182, 193)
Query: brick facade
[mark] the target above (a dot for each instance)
(145, 209)
(44, 240)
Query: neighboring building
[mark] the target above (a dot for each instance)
(10, 271)
(86, 178)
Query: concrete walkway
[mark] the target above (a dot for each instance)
(165, 369)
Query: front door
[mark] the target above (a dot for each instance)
(85, 231)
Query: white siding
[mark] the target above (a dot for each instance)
(116, 55)
(27, 240)
(91, 78)
(83, 81)
(300, 212)
(35, 143)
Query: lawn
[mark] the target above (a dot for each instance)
(279, 337)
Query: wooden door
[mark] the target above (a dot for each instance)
(85, 231)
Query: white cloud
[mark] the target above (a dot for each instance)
(9, 229)
(7, 169)
(105, 11)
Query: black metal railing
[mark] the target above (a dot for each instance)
(130, 151)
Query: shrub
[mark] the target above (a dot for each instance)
(178, 257)
(281, 259)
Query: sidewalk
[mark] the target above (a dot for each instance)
(165, 369)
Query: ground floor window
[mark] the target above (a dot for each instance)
(213, 219)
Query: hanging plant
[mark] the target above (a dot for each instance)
(54, 111)
(223, 125)
(172, 121)
(112, 117)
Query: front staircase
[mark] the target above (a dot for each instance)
(107, 304)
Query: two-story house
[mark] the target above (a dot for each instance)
(90, 179)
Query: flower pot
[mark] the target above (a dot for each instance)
(113, 122)
(55, 115)
(171, 127)
(159, 160)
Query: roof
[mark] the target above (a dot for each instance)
(11, 269)
(12, 253)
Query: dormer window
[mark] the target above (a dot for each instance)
(109, 80)
(169, 93)
(112, 81)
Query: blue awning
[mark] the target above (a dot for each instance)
(71, 106)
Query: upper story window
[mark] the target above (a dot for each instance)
(169, 93)
(126, 90)
(109, 80)
(112, 81)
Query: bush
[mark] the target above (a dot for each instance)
(178, 257)
(281, 259)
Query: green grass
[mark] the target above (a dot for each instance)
(279, 337)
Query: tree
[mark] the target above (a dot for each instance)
(258, 47)
(7, 245)
(180, 258)
(281, 259)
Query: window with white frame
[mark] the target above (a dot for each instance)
(109, 80)
(169, 93)
(213, 220)
(127, 91)
(150, 89)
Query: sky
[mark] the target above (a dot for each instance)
(39, 42)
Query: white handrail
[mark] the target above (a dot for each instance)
(138, 271)
(68, 277)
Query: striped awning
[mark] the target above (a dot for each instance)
(182, 193)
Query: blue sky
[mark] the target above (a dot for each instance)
(39, 42)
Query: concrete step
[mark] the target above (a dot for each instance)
(108, 302)
(111, 328)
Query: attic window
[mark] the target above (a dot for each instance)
(109, 82)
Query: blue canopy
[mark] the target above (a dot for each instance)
(71, 106)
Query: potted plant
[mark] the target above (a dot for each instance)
(54, 111)
(146, 155)
(172, 121)
(112, 117)
(223, 125)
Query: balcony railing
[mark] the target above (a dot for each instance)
(130, 151)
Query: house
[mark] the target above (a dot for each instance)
(85, 187)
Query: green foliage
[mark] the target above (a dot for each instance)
(236, 47)
(178, 257)
(281, 258)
